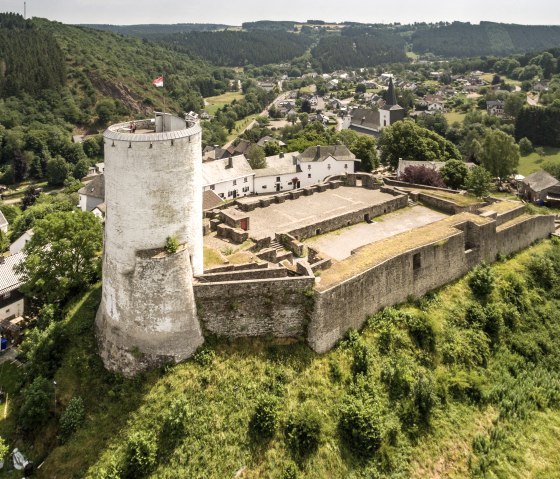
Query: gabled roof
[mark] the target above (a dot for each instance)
(95, 188)
(210, 200)
(540, 180)
(491, 103)
(226, 169)
(320, 153)
(279, 165)
(9, 279)
(365, 118)
(240, 148)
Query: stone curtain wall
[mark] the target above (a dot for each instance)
(348, 304)
(278, 307)
(291, 307)
(515, 237)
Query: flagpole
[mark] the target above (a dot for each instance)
(163, 95)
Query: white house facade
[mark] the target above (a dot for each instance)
(229, 178)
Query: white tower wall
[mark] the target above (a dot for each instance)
(152, 191)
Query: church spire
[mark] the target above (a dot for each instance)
(391, 96)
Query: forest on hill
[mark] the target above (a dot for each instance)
(359, 47)
(464, 39)
(60, 79)
(145, 30)
(232, 49)
(30, 59)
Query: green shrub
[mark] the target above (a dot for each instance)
(398, 376)
(481, 281)
(421, 331)
(141, 455)
(171, 245)
(173, 427)
(476, 316)
(264, 420)
(360, 359)
(290, 471)
(514, 291)
(525, 146)
(204, 356)
(303, 432)
(4, 449)
(424, 397)
(72, 418)
(360, 425)
(35, 409)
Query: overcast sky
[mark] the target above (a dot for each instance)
(234, 12)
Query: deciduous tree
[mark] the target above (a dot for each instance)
(62, 256)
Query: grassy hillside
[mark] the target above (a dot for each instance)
(451, 385)
(534, 162)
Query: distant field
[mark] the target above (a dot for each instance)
(531, 163)
(453, 116)
(214, 103)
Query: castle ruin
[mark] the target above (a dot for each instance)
(158, 305)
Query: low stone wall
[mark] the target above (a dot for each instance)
(261, 273)
(448, 206)
(518, 235)
(236, 267)
(404, 184)
(348, 219)
(291, 244)
(275, 307)
(502, 218)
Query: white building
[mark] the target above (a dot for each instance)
(229, 178)
(93, 193)
(290, 171)
(11, 300)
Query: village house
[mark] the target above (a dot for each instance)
(541, 187)
(11, 299)
(495, 107)
(229, 178)
(93, 193)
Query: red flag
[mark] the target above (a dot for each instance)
(158, 81)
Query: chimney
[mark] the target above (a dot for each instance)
(281, 154)
(229, 162)
(318, 152)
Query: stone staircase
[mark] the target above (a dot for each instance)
(281, 252)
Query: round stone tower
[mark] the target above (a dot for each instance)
(153, 191)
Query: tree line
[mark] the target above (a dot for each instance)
(464, 39)
(30, 59)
